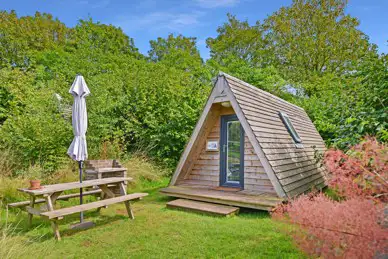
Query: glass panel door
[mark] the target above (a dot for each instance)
(232, 152)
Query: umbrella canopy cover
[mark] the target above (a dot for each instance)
(78, 149)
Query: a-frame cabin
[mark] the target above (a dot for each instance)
(249, 149)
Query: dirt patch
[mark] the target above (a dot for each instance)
(122, 212)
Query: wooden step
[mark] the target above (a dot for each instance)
(204, 207)
(238, 199)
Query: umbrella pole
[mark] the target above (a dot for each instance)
(83, 224)
(80, 190)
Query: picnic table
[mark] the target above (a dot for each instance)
(52, 193)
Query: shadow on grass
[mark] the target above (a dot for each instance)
(102, 220)
(252, 213)
(45, 226)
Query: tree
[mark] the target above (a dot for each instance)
(103, 38)
(237, 40)
(238, 50)
(135, 104)
(181, 53)
(315, 37)
(23, 37)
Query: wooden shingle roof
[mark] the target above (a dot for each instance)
(293, 165)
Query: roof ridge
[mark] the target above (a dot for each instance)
(258, 89)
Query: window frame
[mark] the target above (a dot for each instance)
(290, 128)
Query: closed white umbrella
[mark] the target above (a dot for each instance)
(78, 150)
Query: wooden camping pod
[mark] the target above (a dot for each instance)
(273, 164)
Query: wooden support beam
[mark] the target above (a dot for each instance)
(107, 191)
(32, 203)
(54, 223)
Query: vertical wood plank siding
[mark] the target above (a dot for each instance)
(294, 167)
(206, 169)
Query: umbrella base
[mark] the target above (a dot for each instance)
(83, 225)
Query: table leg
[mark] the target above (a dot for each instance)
(54, 223)
(55, 196)
(102, 196)
(107, 191)
(129, 210)
(123, 191)
(32, 204)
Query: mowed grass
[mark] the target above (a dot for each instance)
(156, 232)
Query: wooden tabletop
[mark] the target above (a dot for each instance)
(47, 189)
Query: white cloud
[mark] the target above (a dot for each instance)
(159, 20)
(216, 3)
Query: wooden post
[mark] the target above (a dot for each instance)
(129, 210)
(54, 223)
(32, 203)
(123, 192)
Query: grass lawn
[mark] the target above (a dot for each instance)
(156, 232)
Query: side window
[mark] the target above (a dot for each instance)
(287, 122)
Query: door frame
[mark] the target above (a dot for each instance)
(223, 138)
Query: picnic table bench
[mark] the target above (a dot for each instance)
(52, 193)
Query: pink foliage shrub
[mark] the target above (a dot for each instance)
(353, 227)
(331, 229)
(361, 172)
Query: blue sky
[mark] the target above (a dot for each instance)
(148, 19)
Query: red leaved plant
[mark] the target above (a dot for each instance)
(354, 226)
(363, 171)
(331, 229)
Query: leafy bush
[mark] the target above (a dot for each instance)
(330, 229)
(353, 226)
(134, 104)
(363, 171)
(35, 132)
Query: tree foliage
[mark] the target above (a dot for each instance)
(310, 53)
(237, 41)
(317, 58)
(315, 37)
(134, 105)
(181, 53)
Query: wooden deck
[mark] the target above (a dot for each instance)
(239, 199)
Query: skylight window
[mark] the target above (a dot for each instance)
(287, 122)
